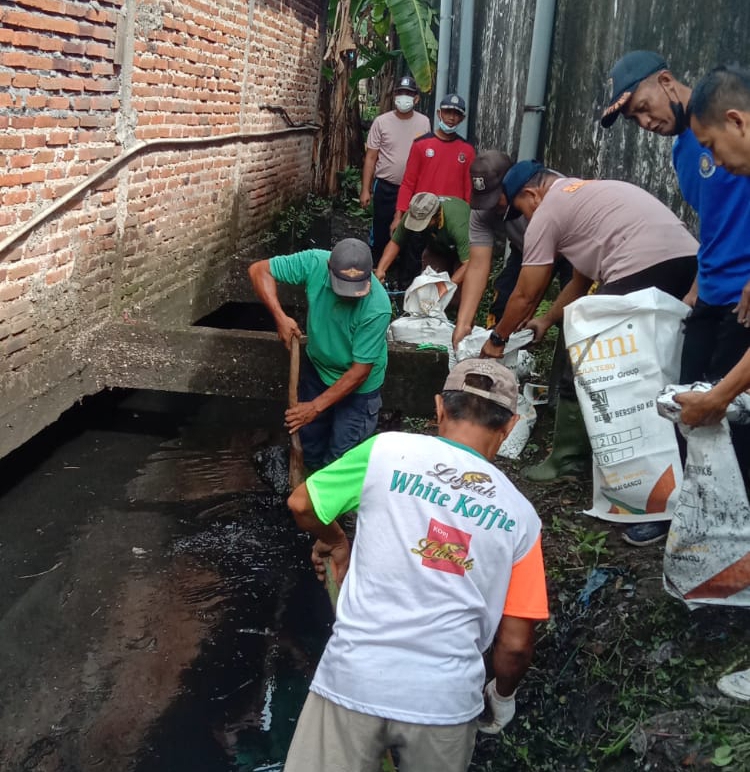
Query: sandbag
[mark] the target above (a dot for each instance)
(424, 319)
(515, 442)
(707, 555)
(624, 349)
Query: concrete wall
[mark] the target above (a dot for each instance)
(589, 37)
(84, 84)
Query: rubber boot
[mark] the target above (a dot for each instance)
(571, 452)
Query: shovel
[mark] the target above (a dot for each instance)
(297, 463)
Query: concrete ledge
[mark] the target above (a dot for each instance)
(239, 363)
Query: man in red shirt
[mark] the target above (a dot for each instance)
(438, 163)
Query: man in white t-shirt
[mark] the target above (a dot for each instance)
(447, 556)
(388, 144)
(613, 233)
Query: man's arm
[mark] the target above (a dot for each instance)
(331, 539)
(390, 253)
(709, 407)
(266, 289)
(368, 173)
(511, 657)
(474, 283)
(530, 288)
(304, 412)
(576, 288)
(514, 647)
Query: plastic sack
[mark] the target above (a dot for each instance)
(624, 349)
(707, 556)
(424, 320)
(515, 442)
(515, 358)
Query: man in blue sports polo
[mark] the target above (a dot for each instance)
(646, 92)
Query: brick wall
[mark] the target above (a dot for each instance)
(82, 83)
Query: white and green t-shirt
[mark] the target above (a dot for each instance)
(439, 532)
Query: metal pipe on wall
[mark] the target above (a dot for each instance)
(444, 53)
(465, 56)
(536, 85)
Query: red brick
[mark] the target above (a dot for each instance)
(58, 103)
(10, 141)
(41, 42)
(35, 101)
(25, 80)
(58, 138)
(50, 6)
(46, 23)
(34, 140)
(21, 161)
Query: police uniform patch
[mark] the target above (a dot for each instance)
(462, 158)
(706, 165)
(429, 152)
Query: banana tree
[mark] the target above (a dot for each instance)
(360, 45)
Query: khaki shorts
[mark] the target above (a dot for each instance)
(330, 738)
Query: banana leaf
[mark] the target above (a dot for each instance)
(413, 22)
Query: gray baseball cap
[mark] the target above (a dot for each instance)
(504, 388)
(350, 268)
(422, 207)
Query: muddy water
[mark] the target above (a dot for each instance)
(157, 610)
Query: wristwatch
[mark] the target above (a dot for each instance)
(497, 340)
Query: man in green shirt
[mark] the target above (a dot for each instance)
(346, 355)
(444, 222)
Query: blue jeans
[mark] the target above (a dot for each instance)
(340, 427)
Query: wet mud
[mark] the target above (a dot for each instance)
(158, 611)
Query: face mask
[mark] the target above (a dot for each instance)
(447, 129)
(681, 120)
(404, 104)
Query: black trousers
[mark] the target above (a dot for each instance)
(714, 342)
(384, 197)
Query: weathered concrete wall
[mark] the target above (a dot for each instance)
(590, 35)
(85, 84)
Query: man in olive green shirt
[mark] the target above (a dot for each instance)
(341, 375)
(444, 222)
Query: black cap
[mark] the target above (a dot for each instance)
(407, 83)
(518, 175)
(350, 268)
(453, 102)
(625, 77)
(487, 171)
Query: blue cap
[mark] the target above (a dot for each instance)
(453, 102)
(518, 175)
(625, 78)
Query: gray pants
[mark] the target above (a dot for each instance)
(330, 738)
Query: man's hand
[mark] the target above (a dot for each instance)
(459, 333)
(691, 297)
(500, 709)
(300, 415)
(364, 198)
(539, 326)
(701, 408)
(339, 555)
(742, 309)
(490, 351)
(287, 329)
(396, 220)
(379, 275)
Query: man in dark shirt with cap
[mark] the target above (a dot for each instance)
(346, 354)
(488, 222)
(443, 222)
